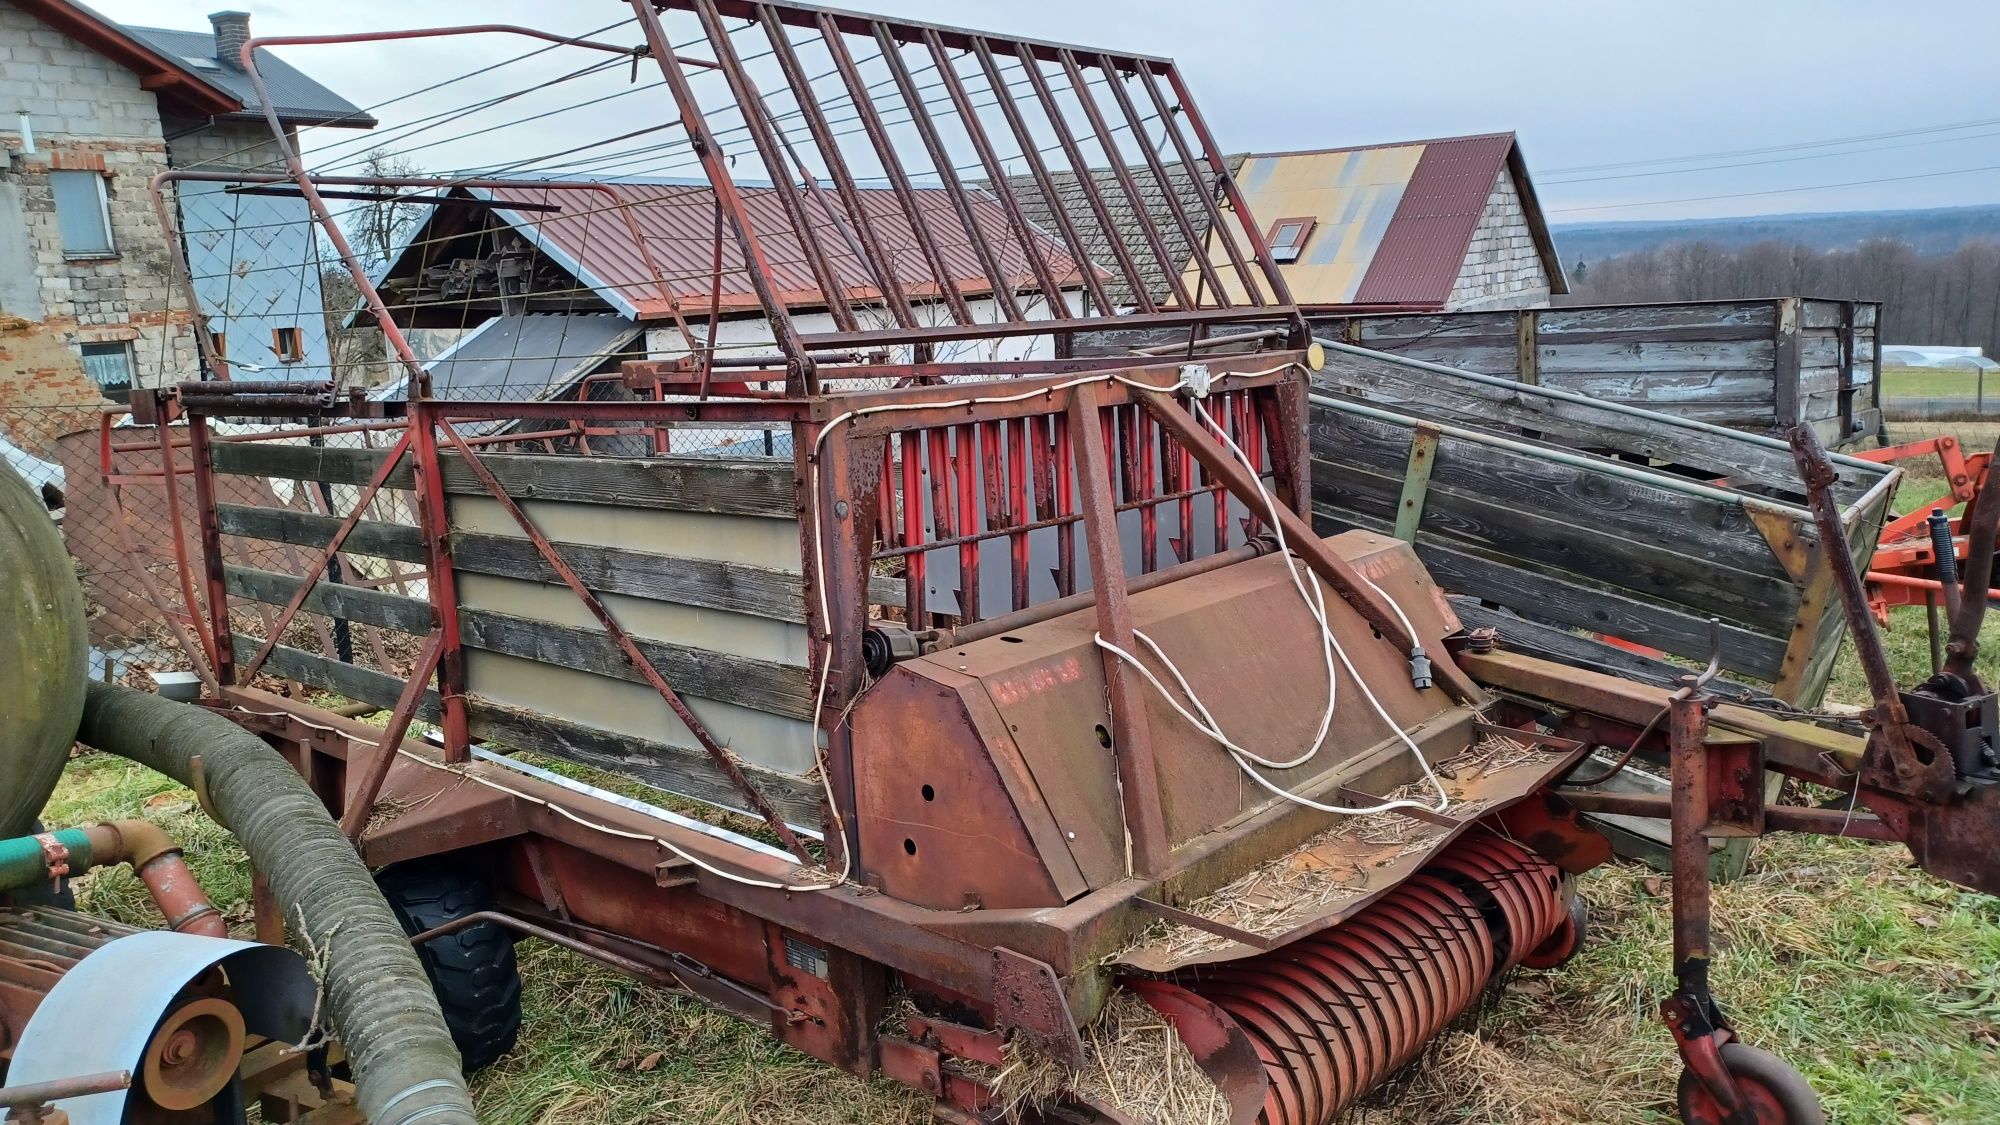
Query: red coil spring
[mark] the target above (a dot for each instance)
(1333, 1014)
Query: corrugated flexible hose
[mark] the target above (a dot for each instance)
(406, 1070)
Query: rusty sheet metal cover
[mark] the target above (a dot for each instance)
(1344, 869)
(1034, 701)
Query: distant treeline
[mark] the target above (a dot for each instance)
(1926, 298)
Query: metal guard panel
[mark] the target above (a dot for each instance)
(99, 1016)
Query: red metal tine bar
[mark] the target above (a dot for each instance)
(964, 467)
(911, 442)
(1149, 516)
(633, 656)
(1065, 467)
(1017, 506)
(309, 579)
(440, 578)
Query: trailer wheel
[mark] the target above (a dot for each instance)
(1776, 1094)
(472, 970)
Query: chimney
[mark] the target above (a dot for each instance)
(232, 30)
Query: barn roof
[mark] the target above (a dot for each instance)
(674, 253)
(1394, 221)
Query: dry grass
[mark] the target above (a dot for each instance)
(1133, 1062)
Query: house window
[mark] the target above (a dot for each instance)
(109, 365)
(1288, 238)
(289, 344)
(218, 343)
(83, 214)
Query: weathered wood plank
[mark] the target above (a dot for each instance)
(394, 541)
(1564, 419)
(736, 587)
(761, 685)
(1571, 605)
(1657, 358)
(313, 670)
(1596, 503)
(686, 771)
(1533, 542)
(355, 603)
(687, 485)
(1520, 634)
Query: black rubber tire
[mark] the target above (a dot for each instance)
(1780, 1094)
(472, 970)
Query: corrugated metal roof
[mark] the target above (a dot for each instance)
(524, 358)
(1423, 248)
(298, 98)
(677, 223)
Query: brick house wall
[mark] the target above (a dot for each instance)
(1502, 268)
(89, 113)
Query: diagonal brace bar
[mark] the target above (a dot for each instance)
(360, 804)
(724, 761)
(1300, 536)
(318, 567)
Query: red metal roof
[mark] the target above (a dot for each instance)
(676, 223)
(1424, 247)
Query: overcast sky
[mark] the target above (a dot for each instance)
(1585, 84)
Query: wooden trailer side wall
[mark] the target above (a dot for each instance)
(699, 560)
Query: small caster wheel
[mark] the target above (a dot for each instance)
(1568, 939)
(1774, 1093)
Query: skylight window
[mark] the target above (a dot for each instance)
(201, 63)
(1288, 238)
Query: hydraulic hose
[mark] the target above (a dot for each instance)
(406, 1069)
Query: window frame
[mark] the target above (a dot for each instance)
(297, 352)
(124, 348)
(103, 200)
(1307, 224)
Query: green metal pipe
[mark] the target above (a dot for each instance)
(23, 863)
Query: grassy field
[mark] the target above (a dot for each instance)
(1881, 984)
(1929, 382)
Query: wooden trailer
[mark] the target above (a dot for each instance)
(1757, 365)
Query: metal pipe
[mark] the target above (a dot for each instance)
(57, 1089)
(1207, 342)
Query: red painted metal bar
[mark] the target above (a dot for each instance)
(725, 761)
(199, 648)
(359, 806)
(1017, 507)
(892, 167)
(941, 167)
(1067, 519)
(1280, 290)
(440, 577)
(715, 164)
(1149, 231)
(1039, 83)
(1218, 227)
(1168, 194)
(967, 116)
(1025, 137)
(1131, 736)
(1065, 466)
(756, 122)
(310, 576)
(881, 266)
(964, 467)
(224, 642)
(911, 442)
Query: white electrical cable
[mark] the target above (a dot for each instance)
(1316, 606)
